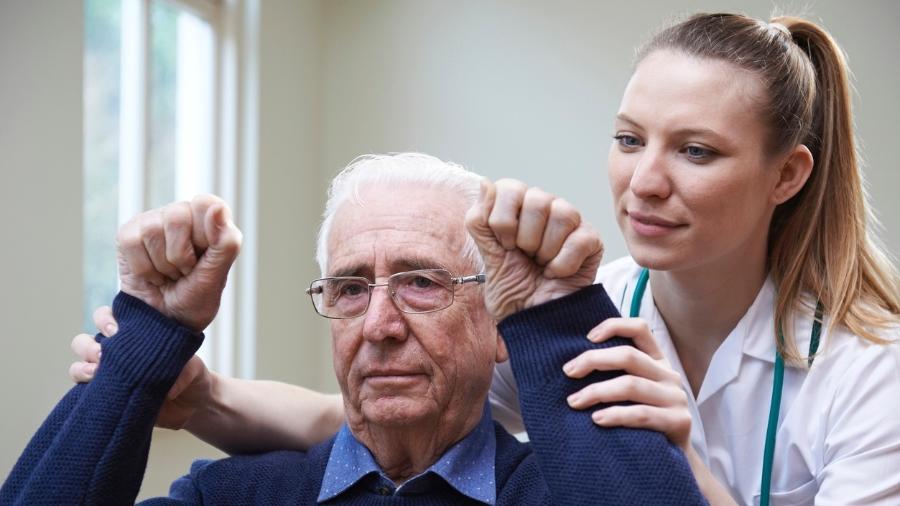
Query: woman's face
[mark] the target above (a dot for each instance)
(690, 176)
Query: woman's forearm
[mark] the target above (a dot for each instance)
(712, 490)
(252, 416)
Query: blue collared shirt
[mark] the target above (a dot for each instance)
(467, 466)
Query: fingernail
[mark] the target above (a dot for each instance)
(597, 417)
(90, 369)
(111, 329)
(573, 399)
(99, 354)
(569, 368)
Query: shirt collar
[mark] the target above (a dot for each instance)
(467, 466)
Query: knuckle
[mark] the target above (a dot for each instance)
(501, 223)
(630, 355)
(508, 183)
(565, 212)
(643, 415)
(537, 196)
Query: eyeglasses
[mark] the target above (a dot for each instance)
(420, 291)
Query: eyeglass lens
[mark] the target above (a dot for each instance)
(418, 291)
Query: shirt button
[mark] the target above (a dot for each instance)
(383, 490)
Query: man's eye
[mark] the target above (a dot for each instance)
(422, 282)
(351, 289)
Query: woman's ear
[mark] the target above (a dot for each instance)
(793, 174)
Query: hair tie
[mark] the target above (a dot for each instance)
(780, 27)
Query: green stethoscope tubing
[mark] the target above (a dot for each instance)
(777, 382)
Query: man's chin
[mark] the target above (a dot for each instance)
(392, 411)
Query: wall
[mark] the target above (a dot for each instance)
(529, 89)
(522, 88)
(40, 206)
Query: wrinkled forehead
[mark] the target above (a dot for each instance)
(388, 229)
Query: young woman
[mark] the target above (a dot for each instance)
(762, 310)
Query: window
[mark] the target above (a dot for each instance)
(161, 116)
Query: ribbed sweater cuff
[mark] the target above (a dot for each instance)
(526, 332)
(149, 349)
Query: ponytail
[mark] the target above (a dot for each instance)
(820, 247)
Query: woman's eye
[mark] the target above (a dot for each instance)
(627, 141)
(698, 153)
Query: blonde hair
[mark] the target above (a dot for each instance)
(819, 241)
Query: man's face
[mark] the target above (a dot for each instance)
(398, 369)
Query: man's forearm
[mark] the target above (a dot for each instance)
(93, 447)
(581, 462)
(254, 416)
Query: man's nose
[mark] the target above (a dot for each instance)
(383, 320)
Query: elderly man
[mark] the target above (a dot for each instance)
(414, 345)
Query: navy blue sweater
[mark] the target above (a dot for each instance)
(93, 447)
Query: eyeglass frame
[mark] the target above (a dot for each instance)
(454, 281)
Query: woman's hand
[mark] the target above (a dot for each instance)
(192, 389)
(660, 402)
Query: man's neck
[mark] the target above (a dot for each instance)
(701, 307)
(408, 450)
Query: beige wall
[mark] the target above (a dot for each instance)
(40, 210)
(511, 88)
(529, 88)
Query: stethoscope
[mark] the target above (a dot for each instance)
(777, 382)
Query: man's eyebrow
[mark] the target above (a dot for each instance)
(409, 263)
(351, 270)
(416, 263)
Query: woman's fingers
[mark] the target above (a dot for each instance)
(106, 324)
(82, 372)
(619, 358)
(192, 370)
(635, 329)
(628, 388)
(86, 348)
(675, 423)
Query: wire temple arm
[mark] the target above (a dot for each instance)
(476, 278)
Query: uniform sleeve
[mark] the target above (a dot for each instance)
(581, 462)
(862, 444)
(93, 447)
(504, 399)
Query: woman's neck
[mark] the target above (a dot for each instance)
(701, 307)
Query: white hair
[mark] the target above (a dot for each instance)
(393, 169)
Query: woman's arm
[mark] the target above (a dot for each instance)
(252, 416)
(234, 415)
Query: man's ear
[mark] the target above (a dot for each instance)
(793, 174)
(502, 353)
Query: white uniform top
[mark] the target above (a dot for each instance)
(838, 439)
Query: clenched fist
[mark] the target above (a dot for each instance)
(535, 246)
(176, 258)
